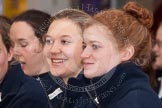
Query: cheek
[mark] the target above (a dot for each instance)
(2, 61)
(77, 51)
(74, 56)
(104, 62)
(30, 51)
(46, 50)
(25, 53)
(159, 57)
(22, 50)
(160, 51)
(32, 48)
(103, 57)
(108, 60)
(3, 64)
(74, 50)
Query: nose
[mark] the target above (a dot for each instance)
(16, 50)
(86, 53)
(155, 48)
(55, 48)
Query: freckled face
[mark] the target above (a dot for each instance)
(100, 54)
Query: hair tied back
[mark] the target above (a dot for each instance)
(140, 13)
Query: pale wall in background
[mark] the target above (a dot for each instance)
(1, 7)
(50, 6)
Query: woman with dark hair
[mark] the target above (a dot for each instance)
(16, 89)
(26, 33)
(157, 49)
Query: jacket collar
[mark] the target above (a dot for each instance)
(123, 74)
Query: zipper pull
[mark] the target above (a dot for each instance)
(96, 100)
(38, 79)
(0, 96)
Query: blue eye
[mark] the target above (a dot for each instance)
(95, 47)
(49, 41)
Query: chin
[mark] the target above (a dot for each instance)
(57, 73)
(88, 74)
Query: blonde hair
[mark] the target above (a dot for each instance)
(77, 16)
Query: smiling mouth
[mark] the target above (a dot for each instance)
(58, 61)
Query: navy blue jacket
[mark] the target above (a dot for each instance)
(70, 91)
(51, 88)
(125, 86)
(61, 100)
(74, 95)
(21, 91)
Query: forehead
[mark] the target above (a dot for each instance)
(22, 30)
(98, 32)
(63, 27)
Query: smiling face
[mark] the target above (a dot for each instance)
(63, 48)
(158, 48)
(4, 58)
(100, 54)
(27, 48)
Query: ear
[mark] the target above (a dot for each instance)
(10, 54)
(127, 53)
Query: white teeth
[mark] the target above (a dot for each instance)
(57, 61)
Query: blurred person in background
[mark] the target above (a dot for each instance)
(157, 49)
(16, 89)
(26, 33)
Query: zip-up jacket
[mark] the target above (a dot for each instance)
(20, 91)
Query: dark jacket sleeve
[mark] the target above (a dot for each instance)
(28, 97)
(139, 99)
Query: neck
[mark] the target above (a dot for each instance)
(43, 67)
(74, 75)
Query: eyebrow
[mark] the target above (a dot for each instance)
(93, 41)
(46, 36)
(62, 36)
(21, 40)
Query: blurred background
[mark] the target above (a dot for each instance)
(11, 8)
